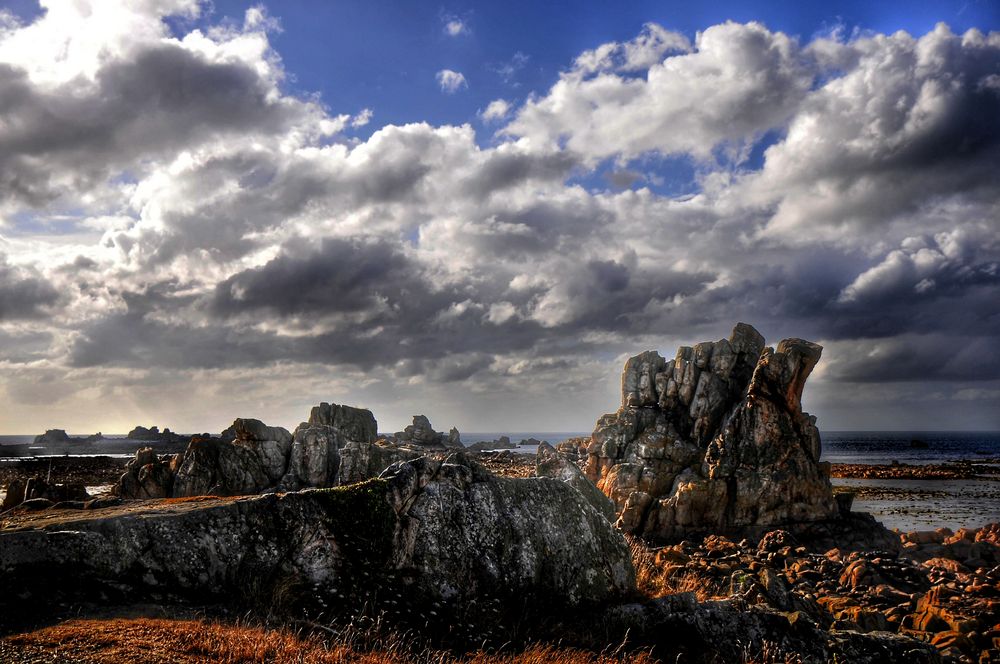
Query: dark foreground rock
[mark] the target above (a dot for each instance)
(20, 491)
(734, 631)
(714, 439)
(550, 463)
(425, 532)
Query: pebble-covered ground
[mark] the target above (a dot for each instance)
(943, 587)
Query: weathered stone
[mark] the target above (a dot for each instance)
(212, 467)
(336, 446)
(271, 445)
(431, 531)
(501, 443)
(146, 476)
(550, 463)
(361, 461)
(357, 424)
(716, 440)
(315, 457)
(639, 379)
(420, 433)
(154, 435)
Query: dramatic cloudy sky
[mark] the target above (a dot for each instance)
(478, 212)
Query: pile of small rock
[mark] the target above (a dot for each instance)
(942, 588)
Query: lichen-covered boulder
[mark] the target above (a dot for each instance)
(551, 463)
(713, 440)
(469, 536)
(431, 531)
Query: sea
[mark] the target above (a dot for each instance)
(900, 504)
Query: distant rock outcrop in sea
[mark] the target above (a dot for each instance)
(714, 440)
(58, 438)
(423, 434)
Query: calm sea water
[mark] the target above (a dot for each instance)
(838, 446)
(888, 446)
(841, 446)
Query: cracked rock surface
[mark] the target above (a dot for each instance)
(714, 439)
(425, 531)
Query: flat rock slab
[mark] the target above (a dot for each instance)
(427, 531)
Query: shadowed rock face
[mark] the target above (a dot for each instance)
(445, 531)
(551, 463)
(713, 439)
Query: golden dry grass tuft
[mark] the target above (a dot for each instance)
(162, 641)
(656, 580)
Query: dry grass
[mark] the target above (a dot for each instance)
(770, 653)
(654, 580)
(196, 499)
(160, 641)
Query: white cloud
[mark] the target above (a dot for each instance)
(221, 233)
(455, 27)
(362, 118)
(496, 110)
(738, 81)
(451, 81)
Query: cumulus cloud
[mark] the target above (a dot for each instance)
(495, 110)
(737, 81)
(176, 222)
(910, 124)
(62, 138)
(23, 293)
(451, 81)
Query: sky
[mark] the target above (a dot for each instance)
(478, 211)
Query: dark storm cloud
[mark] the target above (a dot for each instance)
(915, 358)
(24, 347)
(23, 294)
(505, 169)
(152, 104)
(340, 276)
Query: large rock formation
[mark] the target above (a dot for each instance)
(339, 445)
(423, 434)
(426, 531)
(713, 440)
(336, 446)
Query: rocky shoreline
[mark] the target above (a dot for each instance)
(697, 523)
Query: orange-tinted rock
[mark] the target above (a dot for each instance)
(714, 439)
